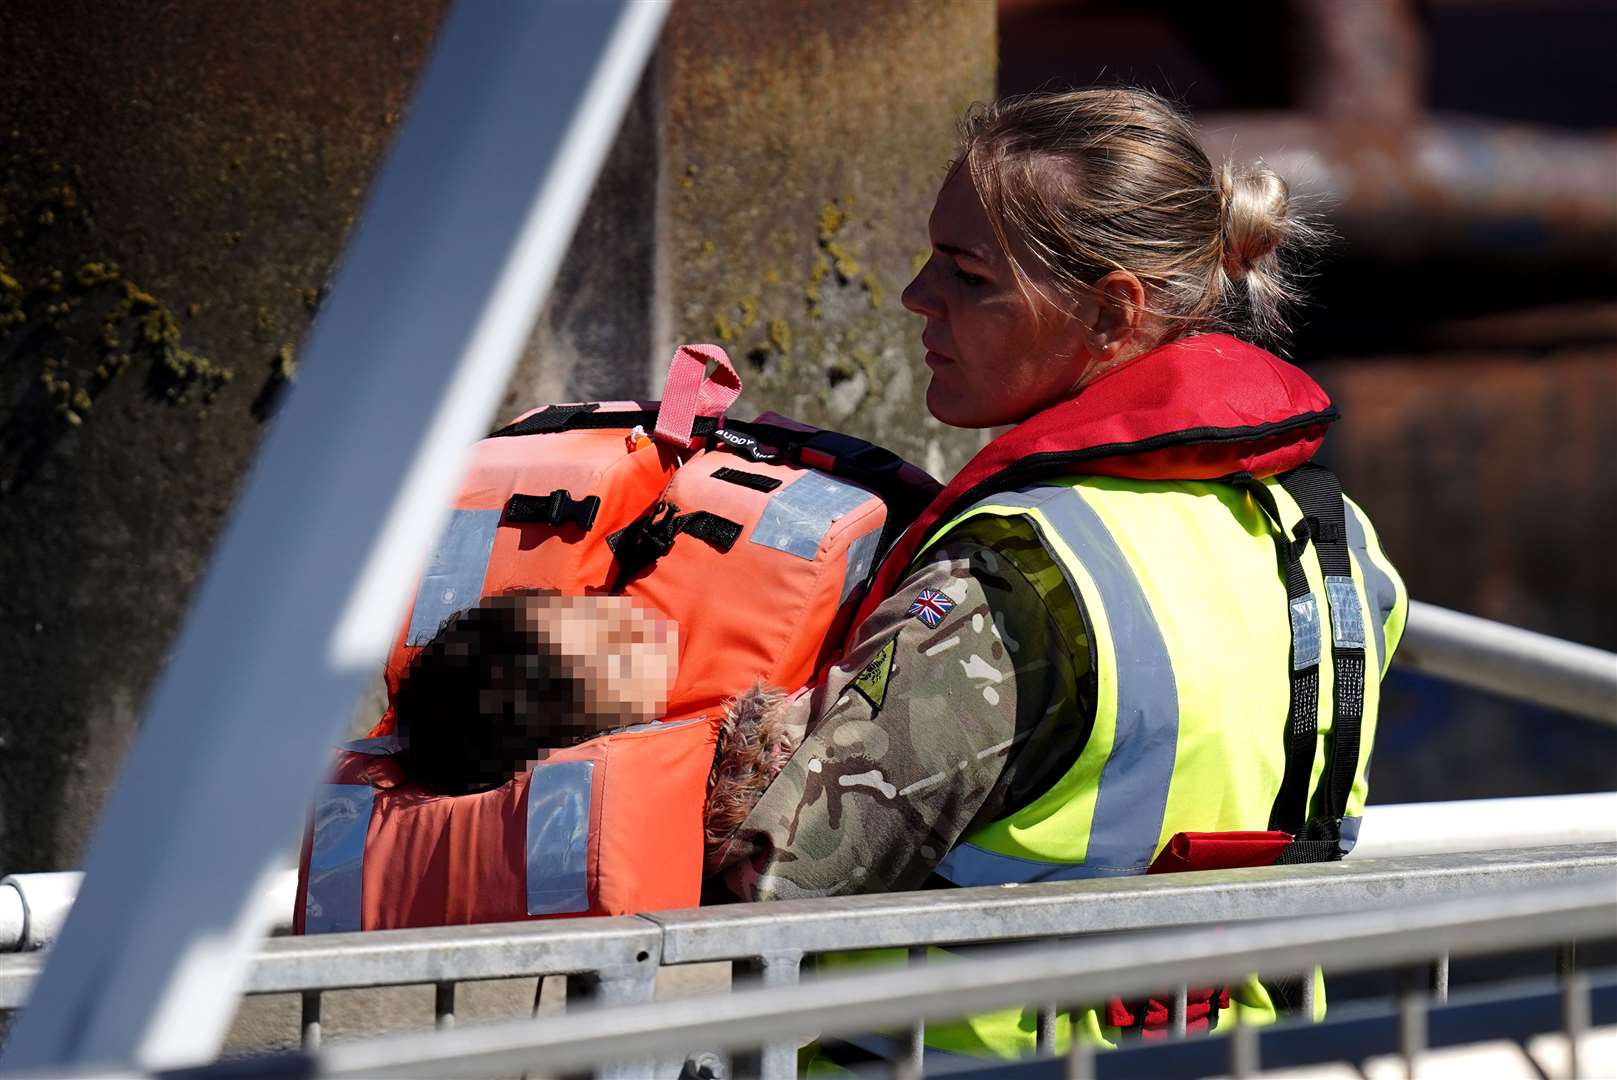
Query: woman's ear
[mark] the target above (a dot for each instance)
(1120, 305)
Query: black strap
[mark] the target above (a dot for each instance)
(647, 539)
(1319, 494)
(557, 508)
(587, 417)
(556, 418)
(755, 481)
(1290, 810)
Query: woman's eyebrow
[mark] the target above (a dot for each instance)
(971, 253)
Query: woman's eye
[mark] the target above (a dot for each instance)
(965, 277)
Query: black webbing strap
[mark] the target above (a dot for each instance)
(1290, 810)
(557, 508)
(554, 418)
(755, 481)
(1319, 494)
(641, 543)
(586, 417)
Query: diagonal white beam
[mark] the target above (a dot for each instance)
(460, 241)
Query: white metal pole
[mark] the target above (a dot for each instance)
(1508, 660)
(1486, 825)
(462, 237)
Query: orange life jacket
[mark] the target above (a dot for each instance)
(756, 538)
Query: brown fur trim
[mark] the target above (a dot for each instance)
(754, 745)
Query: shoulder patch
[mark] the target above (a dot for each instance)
(872, 678)
(930, 607)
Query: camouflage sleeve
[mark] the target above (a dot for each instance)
(920, 731)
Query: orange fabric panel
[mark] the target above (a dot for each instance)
(650, 835)
(433, 860)
(753, 612)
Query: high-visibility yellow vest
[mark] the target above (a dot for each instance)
(1192, 637)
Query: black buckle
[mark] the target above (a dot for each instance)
(557, 508)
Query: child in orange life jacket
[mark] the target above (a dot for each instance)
(524, 673)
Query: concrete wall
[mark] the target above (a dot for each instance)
(175, 185)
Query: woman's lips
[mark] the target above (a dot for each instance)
(936, 359)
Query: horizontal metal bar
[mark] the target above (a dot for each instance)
(454, 954)
(944, 916)
(1401, 829)
(1510, 661)
(1087, 971)
(743, 931)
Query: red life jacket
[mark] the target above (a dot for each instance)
(755, 538)
(1201, 408)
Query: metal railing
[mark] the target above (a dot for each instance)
(615, 960)
(33, 907)
(1065, 974)
(1510, 661)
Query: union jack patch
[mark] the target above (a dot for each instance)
(931, 606)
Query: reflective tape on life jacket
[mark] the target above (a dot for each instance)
(558, 832)
(333, 895)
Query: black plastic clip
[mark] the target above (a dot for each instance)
(557, 508)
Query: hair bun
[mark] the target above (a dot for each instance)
(1257, 216)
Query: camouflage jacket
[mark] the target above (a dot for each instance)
(964, 697)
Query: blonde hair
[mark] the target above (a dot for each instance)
(1099, 180)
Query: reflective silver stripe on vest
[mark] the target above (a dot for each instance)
(1378, 587)
(342, 817)
(1347, 618)
(559, 837)
(1133, 795)
(454, 575)
(1348, 835)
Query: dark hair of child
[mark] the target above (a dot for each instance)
(483, 697)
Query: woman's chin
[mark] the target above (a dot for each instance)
(956, 409)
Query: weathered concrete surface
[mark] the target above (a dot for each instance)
(175, 184)
(803, 145)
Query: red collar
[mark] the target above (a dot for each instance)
(1200, 408)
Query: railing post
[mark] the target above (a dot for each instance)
(1438, 982)
(1574, 1003)
(311, 1020)
(443, 1006)
(1411, 1018)
(775, 1060)
(1045, 1037)
(625, 984)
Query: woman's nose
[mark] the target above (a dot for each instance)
(918, 296)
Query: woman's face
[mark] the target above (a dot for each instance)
(997, 355)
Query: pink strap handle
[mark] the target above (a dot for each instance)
(689, 392)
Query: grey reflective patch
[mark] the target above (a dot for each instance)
(1348, 837)
(1347, 618)
(861, 553)
(342, 817)
(382, 744)
(559, 837)
(1378, 587)
(1304, 632)
(454, 577)
(799, 515)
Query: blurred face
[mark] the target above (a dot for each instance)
(625, 654)
(997, 355)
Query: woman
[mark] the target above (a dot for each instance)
(1085, 648)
